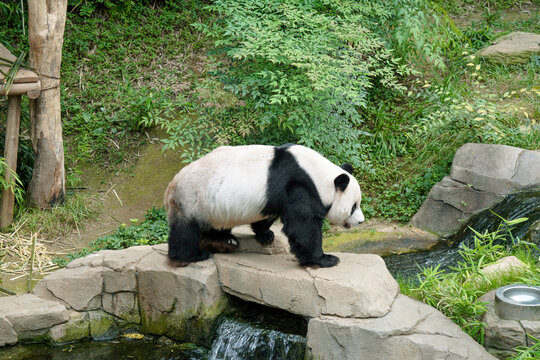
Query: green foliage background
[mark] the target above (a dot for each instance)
(385, 85)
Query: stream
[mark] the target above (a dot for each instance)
(525, 203)
(248, 332)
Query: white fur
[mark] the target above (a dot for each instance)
(227, 186)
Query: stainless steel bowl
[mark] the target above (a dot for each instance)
(518, 302)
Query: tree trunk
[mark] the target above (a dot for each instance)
(46, 23)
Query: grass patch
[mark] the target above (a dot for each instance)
(118, 72)
(456, 293)
(60, 220)
(153, 230)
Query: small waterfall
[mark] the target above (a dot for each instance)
(237, 340)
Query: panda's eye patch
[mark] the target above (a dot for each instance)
(353, 209)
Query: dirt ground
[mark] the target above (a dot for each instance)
(127, 194)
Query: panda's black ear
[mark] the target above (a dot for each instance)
(342, 181)
(347, 167)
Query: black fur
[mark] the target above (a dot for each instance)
(262, 231)
(348, 168)
(342, 181)
(293, 197)
(219, 241)
(184, 237)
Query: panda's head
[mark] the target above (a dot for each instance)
(345, 209)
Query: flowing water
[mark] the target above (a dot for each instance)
(249, 332)
(525, 203)
(239, 340)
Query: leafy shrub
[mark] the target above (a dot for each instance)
(114, 8)
(303, 72)
(14, 185)
(528, 353)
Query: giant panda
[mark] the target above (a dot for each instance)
(257, 184)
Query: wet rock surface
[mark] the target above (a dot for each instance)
(481, 176)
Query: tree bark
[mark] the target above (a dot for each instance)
(46, 23)
(10, 152)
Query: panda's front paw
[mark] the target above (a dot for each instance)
(327, 260)
(265, 238)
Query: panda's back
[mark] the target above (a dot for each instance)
(227, 187)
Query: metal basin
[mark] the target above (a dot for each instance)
(518, 302)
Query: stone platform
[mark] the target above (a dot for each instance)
(354, 309)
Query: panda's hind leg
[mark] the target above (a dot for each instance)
(184, 243)
(263, 234)
(219, 241)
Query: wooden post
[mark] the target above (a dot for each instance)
(46, 23)
(10, 152)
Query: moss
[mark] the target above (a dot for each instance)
(370, 241)
(193, 325)
(34, 336)
(357, 238)
(77, 328)
(102, 325)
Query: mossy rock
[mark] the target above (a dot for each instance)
(390, 240)
(194, 326)
(77, 328)
(102, 325)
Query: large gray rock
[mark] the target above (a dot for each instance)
(8, 335)
(78, 288)
(481, 176)
(498, 169)
(179, 302)
(503, 336)
(517, 47)
(360, 286)
(412, 330)
(25, 314)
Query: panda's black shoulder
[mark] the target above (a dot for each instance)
(284, 174)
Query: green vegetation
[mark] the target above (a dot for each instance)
(123, 72)
(60, 220)
(456, 293)
(390, 86)
(15, 184)
(153, 230)
(529, 353)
